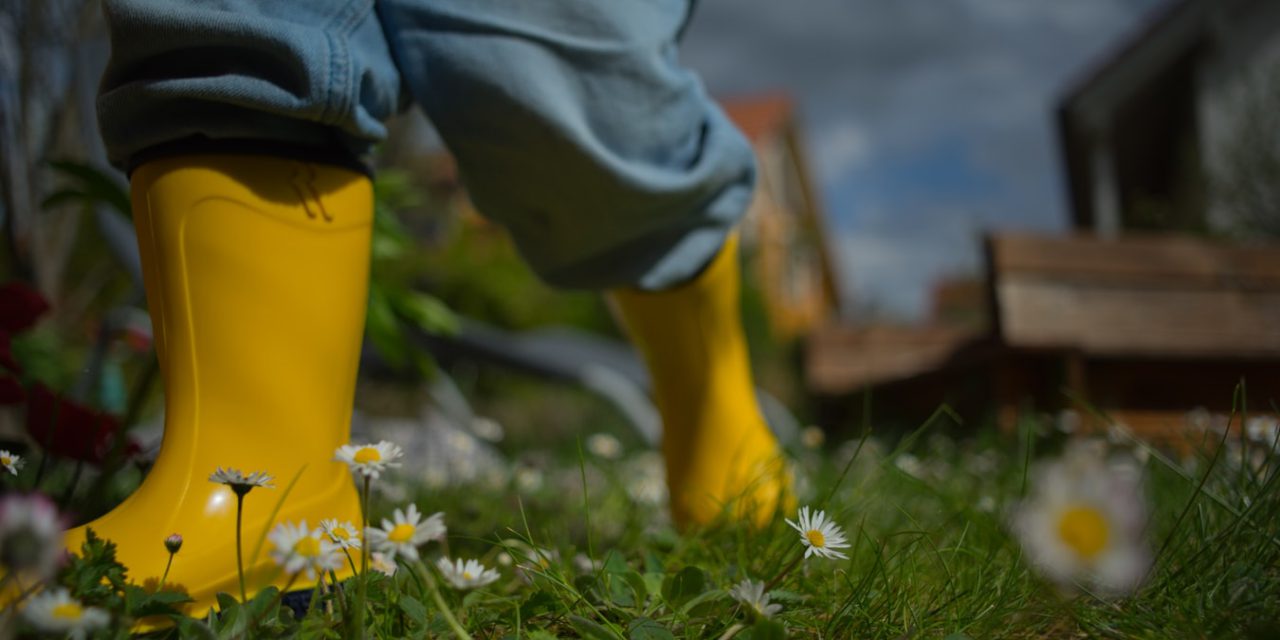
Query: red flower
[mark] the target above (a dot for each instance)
(20, 305)
(70, 430)
(6, 354)
(11, 390)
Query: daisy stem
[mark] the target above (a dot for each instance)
(338, 591)
(782, 574)
(439, 600)
(364, 513)
(239, 553)
(316, 593)
(363, 590)
(351, 561)
(165, 575)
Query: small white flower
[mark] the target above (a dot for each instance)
(241, 483)
(533, 559)
(646, 475)
(911, 465)
(466, 575)
(821, 536)
(528, 479)
(57, 612)
(342, 534)
(30, 535)
(986, 504)
(370, 460)
(752, 594)
(487, 428)
(813, 437)
(603, 445)
(297, 549)
(11, 462)
(379, 562)
(1261, 429)
(584, 564)
(1084, 520)
(405, 533)
(1068, 421)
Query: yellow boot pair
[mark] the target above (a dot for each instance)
(256, 269)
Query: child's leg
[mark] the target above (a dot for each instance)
(575, 127)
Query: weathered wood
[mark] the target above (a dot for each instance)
(1143, 260)
(1144, 297)
(840, 359)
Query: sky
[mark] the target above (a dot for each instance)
(927, 122)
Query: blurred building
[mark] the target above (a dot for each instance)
(784, 234)
(1146, 313)
(1153, 136)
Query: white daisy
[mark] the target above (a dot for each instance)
(297, 549)
(30, 535)
(535, 559)
(646, 475)
(604, 446)
(241, 483)
(379, 562)
(813, 437)
(1084, 521)
(821, 536)
(405, 533)
(343, 534)
(370, 460)
(11, 462)
(57, 612)
(584, 564)
(1261, 429)
(751, 593)
(466, 575)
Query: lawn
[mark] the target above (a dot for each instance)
(582, 547)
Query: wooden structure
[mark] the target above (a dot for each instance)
(1144, 126)
(784, 235)
(1146, 329)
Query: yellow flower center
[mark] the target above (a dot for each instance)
(401, 533)
(466, 575)
(816, 538)
(307, 547)
(1083, 529)
(339, 533)
(6, 460)
(68, 611)
(368, 454)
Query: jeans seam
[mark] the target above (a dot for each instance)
(339, 81)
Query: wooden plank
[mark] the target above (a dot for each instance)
(841, 360)
(1135, 321)
(1150, 260)
(1162, 296)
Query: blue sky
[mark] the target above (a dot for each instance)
(927, 122)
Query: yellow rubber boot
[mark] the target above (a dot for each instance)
(256, 274)
(721, 457)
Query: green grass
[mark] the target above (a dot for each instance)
(931, 554)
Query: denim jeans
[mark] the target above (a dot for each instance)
(572, 121)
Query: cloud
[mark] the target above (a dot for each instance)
(917, 113)
(839, 149)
